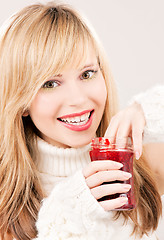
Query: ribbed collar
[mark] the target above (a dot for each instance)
(61, 162)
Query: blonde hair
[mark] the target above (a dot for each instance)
(41, 39)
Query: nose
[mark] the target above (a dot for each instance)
(76, 94)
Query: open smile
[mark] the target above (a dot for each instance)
(78, 121)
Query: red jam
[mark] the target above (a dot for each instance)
(103, 150)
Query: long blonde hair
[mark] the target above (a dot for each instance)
(40, 39)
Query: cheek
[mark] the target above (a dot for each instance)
(100, 91)
(43, 105)
(103, 92)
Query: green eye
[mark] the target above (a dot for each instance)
(50, 84)
(88, 74)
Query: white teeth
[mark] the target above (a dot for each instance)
(71, 120)
(83, 117)
(79, 120)
(76, 119)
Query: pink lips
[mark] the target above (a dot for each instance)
(78, 127)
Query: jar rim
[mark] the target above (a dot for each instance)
(111, 143)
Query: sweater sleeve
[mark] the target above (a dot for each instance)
(152, 102)
(71, 212)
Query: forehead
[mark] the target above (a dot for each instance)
(63, 46)
(80, 60)
(82, 56)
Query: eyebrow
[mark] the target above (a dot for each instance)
(89, 65)
(57, 75)
(86, 66)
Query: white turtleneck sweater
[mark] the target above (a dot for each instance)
(70, 211)
(56, 164)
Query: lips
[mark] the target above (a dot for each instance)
(78, 121)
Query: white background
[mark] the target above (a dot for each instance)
(132, 32)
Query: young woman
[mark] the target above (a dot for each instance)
(56, 95)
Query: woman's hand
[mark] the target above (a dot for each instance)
(98, 172)
(128, 122)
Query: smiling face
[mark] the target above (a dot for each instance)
(68, 108)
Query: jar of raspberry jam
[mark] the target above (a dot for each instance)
(103, 149)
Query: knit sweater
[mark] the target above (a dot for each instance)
(70, 211)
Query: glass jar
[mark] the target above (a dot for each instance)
(122, 151)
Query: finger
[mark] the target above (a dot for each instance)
(123, 134)
(109, 205)
(119, 130)
(124, 130)
(112, 128)
(122, 142)
(109, 189)
(106, 176)
(101, 165)
(137, 136)
(137, 141)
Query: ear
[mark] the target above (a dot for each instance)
(26, 113)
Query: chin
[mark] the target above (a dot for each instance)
(79, 144)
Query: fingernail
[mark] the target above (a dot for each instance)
(127, 174)
(137, 155)
(123, 199)
(127, 187)
(120, 165)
